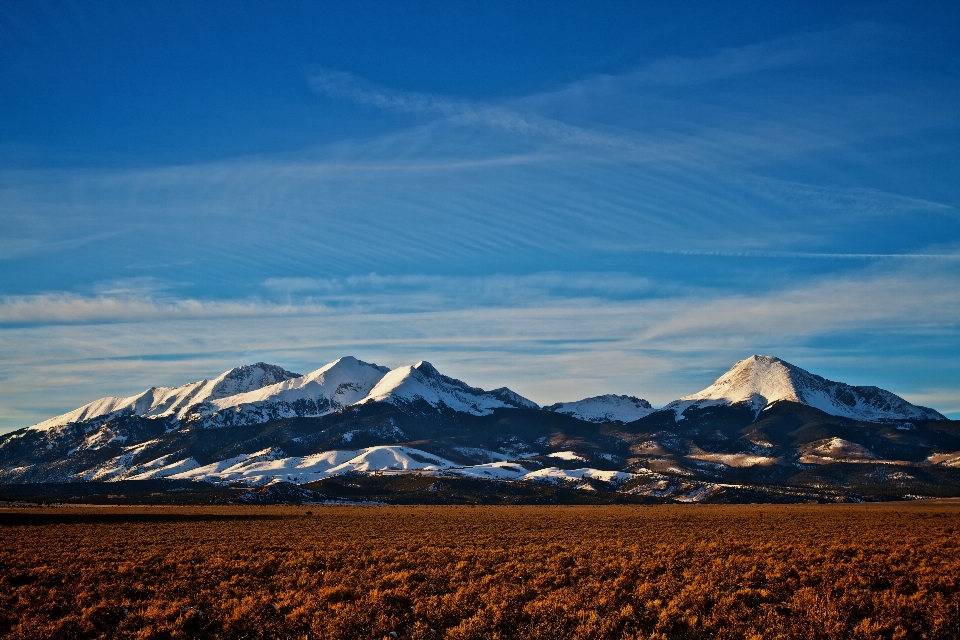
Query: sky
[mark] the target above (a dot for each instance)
(566, 198)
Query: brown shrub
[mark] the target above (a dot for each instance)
(869, 571)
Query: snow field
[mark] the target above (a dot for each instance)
(271, 465)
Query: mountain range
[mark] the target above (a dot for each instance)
(766, 430)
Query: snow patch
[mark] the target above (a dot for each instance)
(265, 466)
(495, 470)
(736, 459)
(569, 475)
(567, 455)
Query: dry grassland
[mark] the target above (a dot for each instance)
(837, 571)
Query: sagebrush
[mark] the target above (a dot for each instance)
(838, 571)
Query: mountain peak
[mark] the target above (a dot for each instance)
(427, 369)
(759, 381)
(248, 377)
(605, 408)
(422, 382)
(342, 362)
(348, 362)
(513, 398)
(331, 387)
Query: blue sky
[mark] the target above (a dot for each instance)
(566, 198)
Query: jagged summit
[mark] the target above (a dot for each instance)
(605, 408)
(339, 384)
(512, 398)
(427, 369)
(759, 381)
(423, 383)
(248, 378)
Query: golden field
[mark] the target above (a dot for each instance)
(800, 571)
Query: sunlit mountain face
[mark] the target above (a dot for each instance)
(765, 427)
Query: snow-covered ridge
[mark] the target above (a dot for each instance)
(252, 394)
(606, 408)
(273, 465)
(162, 402)
(422, 382)
(268, 466)
(339, 384)
(760, 381)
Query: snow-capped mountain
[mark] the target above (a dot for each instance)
(760, 381)
(768, 422)
(339, 384)
(348, 382)
(606, 408)
(259, 393)
(164, 402)
(423, 383)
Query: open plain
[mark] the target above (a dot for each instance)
(887, 570)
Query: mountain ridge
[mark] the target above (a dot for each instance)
(164, 401)
(756, 427)
(757, 381)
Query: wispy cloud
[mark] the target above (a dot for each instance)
(853, 201)
(65, 308)
(552, 346)
(346, 86)
(369, 212)
(823, 256)
(560, 173)
(872, 298)
(479, 290)
(737, 61)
